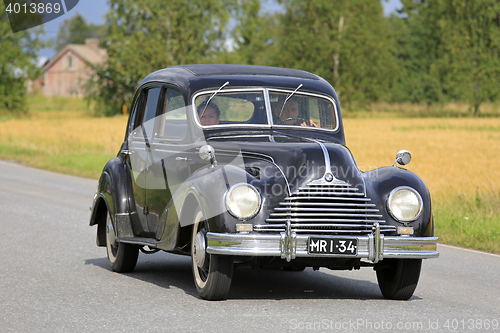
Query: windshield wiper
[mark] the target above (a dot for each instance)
(213, 95)
(288, 97)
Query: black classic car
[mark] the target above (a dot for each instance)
(247, 165)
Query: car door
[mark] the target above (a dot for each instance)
(173, 155)
(140, 155)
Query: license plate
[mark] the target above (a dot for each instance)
(319, 245)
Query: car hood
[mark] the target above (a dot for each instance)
(302, 160)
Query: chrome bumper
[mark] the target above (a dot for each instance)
(288, 245)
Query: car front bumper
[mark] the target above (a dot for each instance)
(289, 245)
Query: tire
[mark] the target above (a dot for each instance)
(122, 257)
(294, 268)
(212, 273)
(398, 278)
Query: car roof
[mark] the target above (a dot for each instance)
(219, 69)
(191, 78)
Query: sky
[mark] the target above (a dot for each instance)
(94, 11)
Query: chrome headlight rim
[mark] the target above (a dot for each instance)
(419, 198)
(228, 206)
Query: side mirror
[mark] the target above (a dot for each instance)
(207, 152)
(403, 157)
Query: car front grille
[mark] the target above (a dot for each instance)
(336, 209)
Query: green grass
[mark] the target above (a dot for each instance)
(87, 165)
(60, 134)
(39, 103)
(471, 222)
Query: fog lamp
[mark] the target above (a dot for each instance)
(244, 227)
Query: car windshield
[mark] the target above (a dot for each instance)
(248, 108)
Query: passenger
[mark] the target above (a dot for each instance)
(208, 115)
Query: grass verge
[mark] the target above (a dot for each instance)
(470, 221)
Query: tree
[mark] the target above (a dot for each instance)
(456, 47)
(255, 35)
(17, 63)
(469, 55)
(346, 42)
(147, 35)
(416, 41)
(74, 31)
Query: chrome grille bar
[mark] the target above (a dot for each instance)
(328, 198)
(308, 209)
(325, 204)
(325, 214)
(323, 220)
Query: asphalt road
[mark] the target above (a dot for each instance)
(53, 278)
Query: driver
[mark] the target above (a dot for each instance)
(291, 110)
(209, 115)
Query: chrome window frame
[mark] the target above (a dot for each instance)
(267, 102)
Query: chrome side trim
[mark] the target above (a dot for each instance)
(288, 245)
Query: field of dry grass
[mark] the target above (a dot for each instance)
(61, 135)
(458, 158)
(452, 155)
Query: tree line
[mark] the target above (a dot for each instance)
(432, 51)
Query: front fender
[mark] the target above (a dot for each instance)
(379, 184)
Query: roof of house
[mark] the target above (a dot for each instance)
(89, 52)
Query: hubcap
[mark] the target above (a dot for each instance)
(199, 249)
(111, 233)
(112, 245)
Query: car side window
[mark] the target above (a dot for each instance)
(137, 108)
(146, 113)
(173, 121)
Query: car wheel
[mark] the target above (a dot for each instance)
(294, 268)
(398, 278)
(212, 273)
(122, 257)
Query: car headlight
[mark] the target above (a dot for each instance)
(405, 204)
(243, 201)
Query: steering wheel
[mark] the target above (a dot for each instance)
(291, 118)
